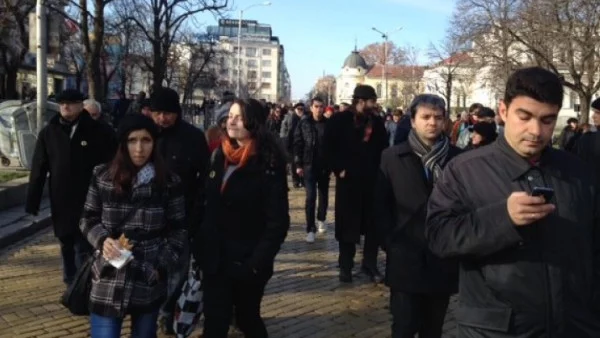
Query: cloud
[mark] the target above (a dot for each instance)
(443, 6)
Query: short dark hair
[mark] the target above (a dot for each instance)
(537, 83)
(316, 99)
(428, 100)
(572, 120)
(475, 106)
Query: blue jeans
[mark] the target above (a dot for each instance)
(142, 326)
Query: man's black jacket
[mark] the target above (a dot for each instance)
(308, 142)
(540, 280)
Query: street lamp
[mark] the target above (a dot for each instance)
(384, 63)
(239, 42)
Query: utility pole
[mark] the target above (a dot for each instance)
(384, 62)
(41, 64)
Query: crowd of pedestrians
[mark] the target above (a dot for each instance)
(483, 206)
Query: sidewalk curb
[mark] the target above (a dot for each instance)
(20, 233)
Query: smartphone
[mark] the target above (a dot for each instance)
(548, 193)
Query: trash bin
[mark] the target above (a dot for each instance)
(18, 132)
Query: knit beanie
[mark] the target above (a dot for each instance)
(165, 100)
(132, 122)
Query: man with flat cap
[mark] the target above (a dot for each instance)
(354, 140)
(68, 149)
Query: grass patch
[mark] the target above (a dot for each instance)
(6, 176)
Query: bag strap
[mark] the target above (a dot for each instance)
(130, 213)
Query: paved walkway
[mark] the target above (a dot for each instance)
(303, 299)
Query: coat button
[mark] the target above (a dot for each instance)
(521, 243)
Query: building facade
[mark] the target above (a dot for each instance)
(262, 70)
(395, 87)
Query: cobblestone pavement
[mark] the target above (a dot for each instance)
(303, 299)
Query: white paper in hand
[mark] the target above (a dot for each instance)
(119, 262)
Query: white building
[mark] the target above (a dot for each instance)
(263, 73)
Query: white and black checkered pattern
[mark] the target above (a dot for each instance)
(189, 306)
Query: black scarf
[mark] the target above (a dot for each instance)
(66, 125)
(433, 158)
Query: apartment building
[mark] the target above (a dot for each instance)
(260, 60)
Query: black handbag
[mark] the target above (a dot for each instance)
(77, 296)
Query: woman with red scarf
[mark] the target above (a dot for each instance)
(247, 219)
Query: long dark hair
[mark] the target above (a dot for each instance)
(268, 149)
(122, 170)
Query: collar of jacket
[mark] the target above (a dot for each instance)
(517, 166)
(84, 118)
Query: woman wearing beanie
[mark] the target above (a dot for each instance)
(245, 223)
(132, 203)
(484, 133)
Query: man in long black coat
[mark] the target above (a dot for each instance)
(185, 151)
(420, 282)
(354, 140)
(68, 149)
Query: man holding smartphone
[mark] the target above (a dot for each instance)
(529, 256)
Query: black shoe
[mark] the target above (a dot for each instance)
(373, 273)
(345, 276)
(166, 325)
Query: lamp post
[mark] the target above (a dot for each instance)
(384, 63)
(239, 42)
(41, 66)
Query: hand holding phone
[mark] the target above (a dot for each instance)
(525, 209)
(545, 192)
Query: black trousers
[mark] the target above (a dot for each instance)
(418, 313)
(296, 179)
(74, 249)
(315, 180)
(221, 294)
(348, 251)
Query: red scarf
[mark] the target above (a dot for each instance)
(237, 155)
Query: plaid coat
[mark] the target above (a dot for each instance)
(135, 287)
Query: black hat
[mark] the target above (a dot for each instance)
(486, 112)
(487, 130)
(70, 95)
(364, 92)
(299, 104)
(596, 104)
(165, 100)
(146, 103)
(131, 122)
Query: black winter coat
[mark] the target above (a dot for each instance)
(185, 151)
(70, 162)
(308, 144)
(540, 280)
(347, 151)
(401, 196)
(245, 224)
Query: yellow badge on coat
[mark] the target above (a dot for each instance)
(212, 174)
(83, 143)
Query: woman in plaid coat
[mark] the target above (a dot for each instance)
(135, 179)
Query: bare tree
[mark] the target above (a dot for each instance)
(160, 22)
(560, 35)
(14, 41)
(450, 61)
(325, 89)
(72, 51)
(374, 53)
(92, 26)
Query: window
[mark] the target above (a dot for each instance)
(266, 75)
(379, 89)
(225, 71)
(394, 91)
(235, 72)
(252, 63)
(252, 85)
(265, 85)
(252, 74)
(266, 51)
(266, 63)
(235, 50)
(250, 51)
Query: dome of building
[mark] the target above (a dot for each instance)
(354, 60)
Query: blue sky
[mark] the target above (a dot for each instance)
(319, 34)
